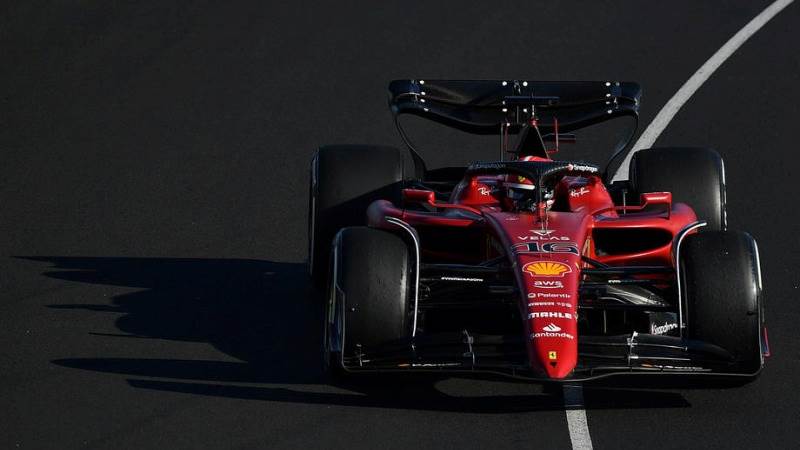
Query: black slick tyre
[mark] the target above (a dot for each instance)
(695, 176)
(344, 180)
(721, 286)
(369, 293)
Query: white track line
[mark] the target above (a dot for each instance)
(576, 418)
(573, 395)
(667, 113)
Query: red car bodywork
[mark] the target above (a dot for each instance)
(547, 249)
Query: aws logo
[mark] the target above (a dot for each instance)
(546, 269)
(548, 284)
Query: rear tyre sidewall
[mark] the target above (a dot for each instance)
(695, 176)
(344, 181)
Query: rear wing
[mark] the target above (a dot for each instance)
(510, 106)
(481, 107)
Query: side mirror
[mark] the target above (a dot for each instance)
(649, 199)
(418, 196)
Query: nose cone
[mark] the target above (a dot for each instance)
(547, 257)
(552, 356)
(558, 367)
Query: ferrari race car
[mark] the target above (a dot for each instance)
(528, 266)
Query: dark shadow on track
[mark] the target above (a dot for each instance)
(266, 315)
(262, 313)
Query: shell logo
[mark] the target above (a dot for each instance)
(546, 269)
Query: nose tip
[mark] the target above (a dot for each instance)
(556, 370)
(551, 363)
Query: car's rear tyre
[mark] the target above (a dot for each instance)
(345, 179)
(695, 176)
(368, 296)
(721, 286)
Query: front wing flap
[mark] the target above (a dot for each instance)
(598, 357)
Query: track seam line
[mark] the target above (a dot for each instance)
(577, 422)
(671, 108)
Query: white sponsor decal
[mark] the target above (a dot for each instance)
(548, 284)
(686, 368)
(582, 168)
(487, 165)
(559, 304)
(578, 192)
(435, 364)
(474, 280)
(552, 328)
(549, 315)
(549, 295)
(543, 238)
(551, 335)
(662, 329)
(484, 190)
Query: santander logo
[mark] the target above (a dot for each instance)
(552, 328)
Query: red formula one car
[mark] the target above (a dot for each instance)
(531, 267)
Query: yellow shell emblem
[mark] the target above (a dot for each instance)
(546, 269)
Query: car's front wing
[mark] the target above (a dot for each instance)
(599, 357)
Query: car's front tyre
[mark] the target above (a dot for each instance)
(368, 294)
(721, 286)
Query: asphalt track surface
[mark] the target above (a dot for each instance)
(153, 186)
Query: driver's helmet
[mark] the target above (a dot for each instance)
(521, 189)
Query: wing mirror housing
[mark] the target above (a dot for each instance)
(418, 196)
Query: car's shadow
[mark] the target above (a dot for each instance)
(266, 315)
